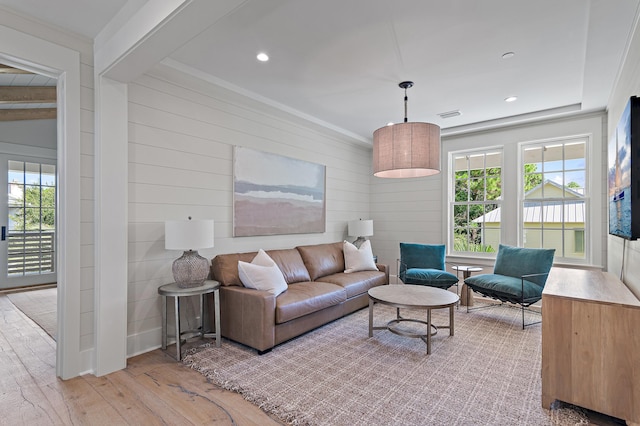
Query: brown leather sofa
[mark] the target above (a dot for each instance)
(318, 292)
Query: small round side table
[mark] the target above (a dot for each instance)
(172, 290)
(466, 270)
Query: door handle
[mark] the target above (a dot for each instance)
(4, 233)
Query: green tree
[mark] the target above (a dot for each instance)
(531, 178)
(38, 211)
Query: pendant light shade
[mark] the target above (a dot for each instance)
(406, 150)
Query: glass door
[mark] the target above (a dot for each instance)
(28, 212)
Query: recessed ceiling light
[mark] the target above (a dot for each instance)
(511, 99)
(262, 57)
(508, 55)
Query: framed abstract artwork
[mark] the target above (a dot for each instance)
(274, 195)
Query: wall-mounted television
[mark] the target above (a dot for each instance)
(624, 173)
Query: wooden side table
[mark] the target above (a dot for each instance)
(172, 290)
(466, 270)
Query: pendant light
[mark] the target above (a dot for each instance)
(406, 150)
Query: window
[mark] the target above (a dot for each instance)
(554, 197)
(476, 200)
(31, 218)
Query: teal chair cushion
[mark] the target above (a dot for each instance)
(504, 287)
(423, 264)
(519, 261)
(424, 256)
(430, 277)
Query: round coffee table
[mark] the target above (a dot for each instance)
(412, 296)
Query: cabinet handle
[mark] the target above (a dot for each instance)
(4, 233)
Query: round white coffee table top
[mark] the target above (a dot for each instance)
(407, 295)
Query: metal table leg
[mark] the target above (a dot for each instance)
(178, 338)
(164, 322)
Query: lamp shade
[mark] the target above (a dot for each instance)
(360, 228)
(188, 234)
(406, 150)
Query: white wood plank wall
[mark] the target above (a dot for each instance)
(87, 201)
(181, 137)
(407, 210)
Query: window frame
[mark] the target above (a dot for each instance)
(587, 196)
(451, 195)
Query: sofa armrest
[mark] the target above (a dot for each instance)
(383, 268)
(248, 316)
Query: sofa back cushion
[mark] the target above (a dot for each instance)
(291, 265)
(224, 267)
(322, 259)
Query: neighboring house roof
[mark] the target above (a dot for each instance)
(571, 211)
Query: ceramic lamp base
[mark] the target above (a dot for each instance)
(190, 269)
(358, 242)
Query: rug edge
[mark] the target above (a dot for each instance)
(293, 417)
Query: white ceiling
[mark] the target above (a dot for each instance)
(340, 61)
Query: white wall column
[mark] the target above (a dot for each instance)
(111, 161)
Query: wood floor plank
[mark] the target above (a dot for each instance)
(153, 389)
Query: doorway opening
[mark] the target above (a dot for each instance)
(28, 202)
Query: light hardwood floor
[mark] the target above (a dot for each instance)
(153, 389)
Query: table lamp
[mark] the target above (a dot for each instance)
(360, 228)
(191, 269)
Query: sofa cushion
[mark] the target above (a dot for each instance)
(302, 299)
(358, 259)
(224, 267)
(291, 265)
(356, 283)
(322, 259)
(262, 274)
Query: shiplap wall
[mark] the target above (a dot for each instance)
(38, 133)
(408, 210)
(87, 201)
(181, 136)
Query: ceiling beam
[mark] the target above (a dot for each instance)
(6, 69)
(28, 94)
(27, 114)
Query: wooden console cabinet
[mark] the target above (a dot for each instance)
(591, 343)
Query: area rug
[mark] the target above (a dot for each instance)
(487, 374)
(40, 306)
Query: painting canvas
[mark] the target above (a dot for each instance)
(274, 195)
(623, 169)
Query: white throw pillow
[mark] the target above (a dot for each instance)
(358, 259)
(262, 274)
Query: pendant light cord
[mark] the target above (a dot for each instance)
(406, 101)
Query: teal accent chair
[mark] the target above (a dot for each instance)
(423, 264)
(519, 276)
